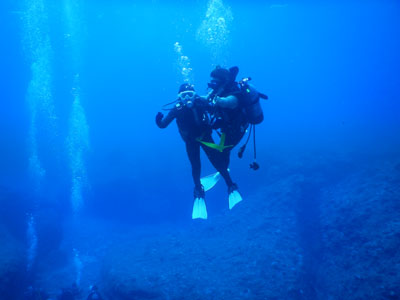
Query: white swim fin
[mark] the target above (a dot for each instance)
(234, 198)
(210, 181)
(199, 209)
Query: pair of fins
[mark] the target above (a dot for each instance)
(208, 182)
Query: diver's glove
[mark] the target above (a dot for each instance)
(159, 118)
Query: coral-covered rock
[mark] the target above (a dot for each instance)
(362, 235)
(248, 253)
(319, 228)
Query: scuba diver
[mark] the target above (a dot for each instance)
(190, 112)
(227, 116)
(234, 107)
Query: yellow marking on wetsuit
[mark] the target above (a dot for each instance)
(220, 147)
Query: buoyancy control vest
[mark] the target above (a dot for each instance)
(251, 102)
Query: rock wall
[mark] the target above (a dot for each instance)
(320, 228)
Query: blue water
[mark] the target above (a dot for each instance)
(81, 84)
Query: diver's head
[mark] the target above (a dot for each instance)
(185, 87)
(221, 77)
(186, 95)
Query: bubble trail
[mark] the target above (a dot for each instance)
(37, 46)
(78, 267)
(183, 64)
(32, 242)
(214, 30)
(78, 145)
(78, 135)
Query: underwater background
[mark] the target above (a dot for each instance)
(92, 192)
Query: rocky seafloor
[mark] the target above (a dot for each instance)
(320, 228)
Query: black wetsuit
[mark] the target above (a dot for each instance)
(232, 122)
(193, 125)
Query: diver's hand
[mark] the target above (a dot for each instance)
(159, 118)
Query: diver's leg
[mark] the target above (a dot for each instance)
(199, 205)
(233, 193)
(193, 152)
(224, 161)
(220, 160)
(233, 137)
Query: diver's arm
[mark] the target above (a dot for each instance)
(163, 122)
(227, 102)
(206, 98)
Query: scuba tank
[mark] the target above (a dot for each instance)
(251, 102)
(253, 111)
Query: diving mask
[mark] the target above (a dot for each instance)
(187, 98)
(187, 95)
